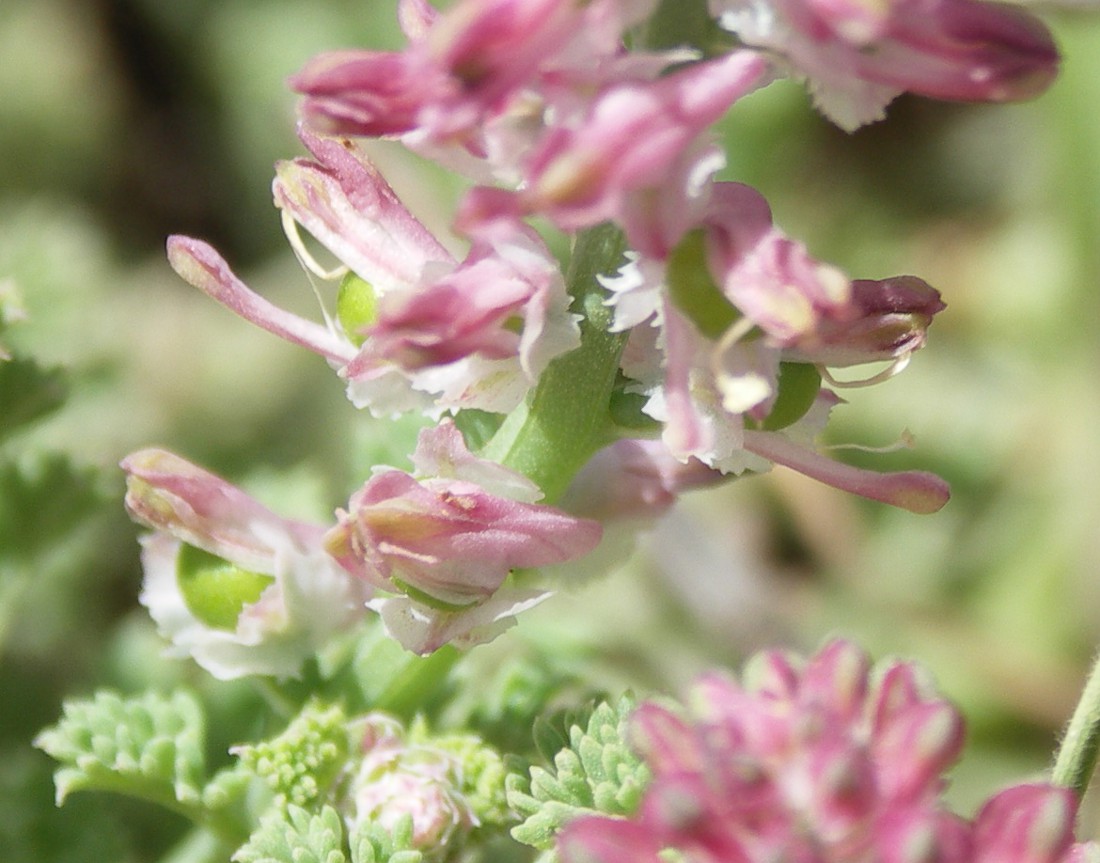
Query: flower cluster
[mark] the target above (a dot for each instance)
(824, 760)
(687, 339)
(720, 329)
(244, 591)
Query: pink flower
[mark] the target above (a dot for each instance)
(635, 146)
(826, 760)
(730, 407)
(442, 333)
(742, 325)
(634, 479)
(804, 761)
(887, 319)
(767, 276)
(858, 56)
(446, 539)
(227, 581)
(398, 778)
(479, 336)
(343, 201)
(462, 68)
(1030, 824)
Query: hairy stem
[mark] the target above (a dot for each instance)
(551, 436)
(1075, 761)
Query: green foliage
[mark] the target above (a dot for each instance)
(477, 426)
(41, 500)
(150, 746)
(28, 392)
(594, 772)
(296, 836)
(502, 697)
(302, 762)
(694, 290)
(799, 384)
(390, 678)
(373, 843)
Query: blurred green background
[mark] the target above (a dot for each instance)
(124, 120)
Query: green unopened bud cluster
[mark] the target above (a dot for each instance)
(479, 770)
(302, 763)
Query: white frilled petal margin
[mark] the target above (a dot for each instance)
(310, 600)
(422, 630)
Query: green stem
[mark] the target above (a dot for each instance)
(201, 846)
(1075, 761)
(420, 682)
(552, 436)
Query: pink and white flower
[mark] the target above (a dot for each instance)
(738, 312)
(474, 82)
(857, 56)
(444, 334)
(272, 598)
(828, 760)
(444, 539)
(637, 148)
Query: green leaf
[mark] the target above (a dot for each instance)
(626, 412)
(477, 426)
(502, 701)
(596, 773)
(28, 392)
(42, 500)
(402, 683)
(294, 835)
(150, 747)
(373, 843)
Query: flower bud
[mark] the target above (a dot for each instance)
(889, 319)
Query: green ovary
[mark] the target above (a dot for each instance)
(695, 292)
(799, 384)
(215, 590)
(356, 306)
